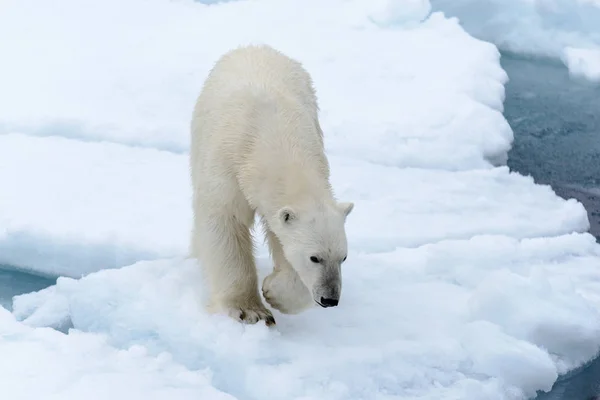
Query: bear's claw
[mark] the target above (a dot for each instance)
(252, 315)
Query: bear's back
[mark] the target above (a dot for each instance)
(263, 71)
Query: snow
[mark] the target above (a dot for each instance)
(386, 12)
(491, 317)
(463, 281)
(583, 62)
(136, 83)
(46, 364)
(76, 207)
(566, 30)
(104, 205)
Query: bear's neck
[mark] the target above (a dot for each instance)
(297, 186)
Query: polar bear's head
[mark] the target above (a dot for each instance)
(314, 242)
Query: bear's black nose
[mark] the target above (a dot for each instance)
(329, 302)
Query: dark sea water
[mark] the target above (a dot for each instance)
(556, 122)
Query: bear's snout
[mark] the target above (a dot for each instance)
(330, 297)
(328, 302)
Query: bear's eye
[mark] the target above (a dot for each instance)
(315, 259)
(344, 259)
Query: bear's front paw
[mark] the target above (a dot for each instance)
(274, 302)
(284, 291)
(250, 314)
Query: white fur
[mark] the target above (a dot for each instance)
(257, 147)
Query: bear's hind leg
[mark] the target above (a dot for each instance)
(228, 260)
(283, 289)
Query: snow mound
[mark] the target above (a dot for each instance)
(583, 62)
(491, 317)
(390, 12)
(136, 82)
(568, 30)
(77, 207)
(46, 364)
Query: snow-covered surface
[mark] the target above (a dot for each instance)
(567, 30)
(136, 82)
(463, 281)
(486, 318)
(45, 364)
(583, 62)
(77, 207)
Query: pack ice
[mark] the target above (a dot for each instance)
(463, 281)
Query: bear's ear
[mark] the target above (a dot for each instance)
(286, 215)
(346, 207)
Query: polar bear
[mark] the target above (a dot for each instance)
(257, 148)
